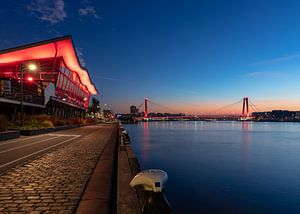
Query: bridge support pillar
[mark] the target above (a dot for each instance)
(245, 112)
(146, 108)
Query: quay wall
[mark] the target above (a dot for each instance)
(129, 200)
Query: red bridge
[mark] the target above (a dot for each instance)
(245, 114)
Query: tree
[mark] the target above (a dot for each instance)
(95, 106)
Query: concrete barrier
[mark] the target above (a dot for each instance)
(9, 135)
(30, 132)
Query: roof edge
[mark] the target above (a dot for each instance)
(69, 36)
(36, 44)
(82, 67)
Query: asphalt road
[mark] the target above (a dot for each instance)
(14, 152)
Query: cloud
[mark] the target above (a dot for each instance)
(276, 60)
(5, 43)
(80, 56)
(87, 9)
(109, 78)
(127, 82)
(266, 74)
(269, 74)
(52, 11)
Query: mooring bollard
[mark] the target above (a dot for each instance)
(153, 181)
(123, 138)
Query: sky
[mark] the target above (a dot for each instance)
(187, 56)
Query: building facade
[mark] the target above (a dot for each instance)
(44, 77)
(134, 109)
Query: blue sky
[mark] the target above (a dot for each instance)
(192, 56)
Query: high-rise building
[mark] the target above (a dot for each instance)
(134, 110)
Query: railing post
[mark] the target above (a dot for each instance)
(22, 75)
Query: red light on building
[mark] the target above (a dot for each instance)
(51, 70)
(61, 47)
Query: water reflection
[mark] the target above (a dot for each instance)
(145, 143)
(224, 167)
(246, 129)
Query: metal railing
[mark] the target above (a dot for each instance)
(15, 94)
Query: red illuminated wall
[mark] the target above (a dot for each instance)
(57, 62)
(58, 48)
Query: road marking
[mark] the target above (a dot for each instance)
(65, 135)
(26, 156)
(7, 150)
(19, 139)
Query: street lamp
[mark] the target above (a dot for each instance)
(31, 67)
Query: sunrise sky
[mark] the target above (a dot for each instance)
(186, 56)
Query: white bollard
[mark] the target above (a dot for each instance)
(153, 182)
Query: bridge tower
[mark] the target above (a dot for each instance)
(146, 108)
(245, 112)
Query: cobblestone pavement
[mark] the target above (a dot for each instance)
(54, 182)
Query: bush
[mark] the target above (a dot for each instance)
(31, 124)
(14, 125)
(47, 124)
(36, 124)
(42, 117)
(76, 121)
(90, 120)
(4, 123)
(58, 122)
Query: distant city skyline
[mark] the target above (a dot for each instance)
(191, 56)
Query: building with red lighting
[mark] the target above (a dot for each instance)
(49, 76)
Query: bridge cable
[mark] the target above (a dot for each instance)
(257, 109)
(162, 106)
(140, 106)
(253, 107)
(227, 106)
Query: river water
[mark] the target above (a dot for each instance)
(224, 167)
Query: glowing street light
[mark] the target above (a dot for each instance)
(32, 66)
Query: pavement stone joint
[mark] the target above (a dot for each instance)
(55, 181)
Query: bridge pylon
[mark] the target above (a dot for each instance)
(146, 108)
(245, 112)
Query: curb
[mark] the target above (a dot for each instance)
(9, 135)
(98, 195)
(129, 199)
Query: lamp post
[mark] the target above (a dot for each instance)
(31, 67)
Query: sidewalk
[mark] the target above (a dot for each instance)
(129, 199)
(55, 181)
(98, 196)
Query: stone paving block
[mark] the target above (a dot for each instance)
(55, 181)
